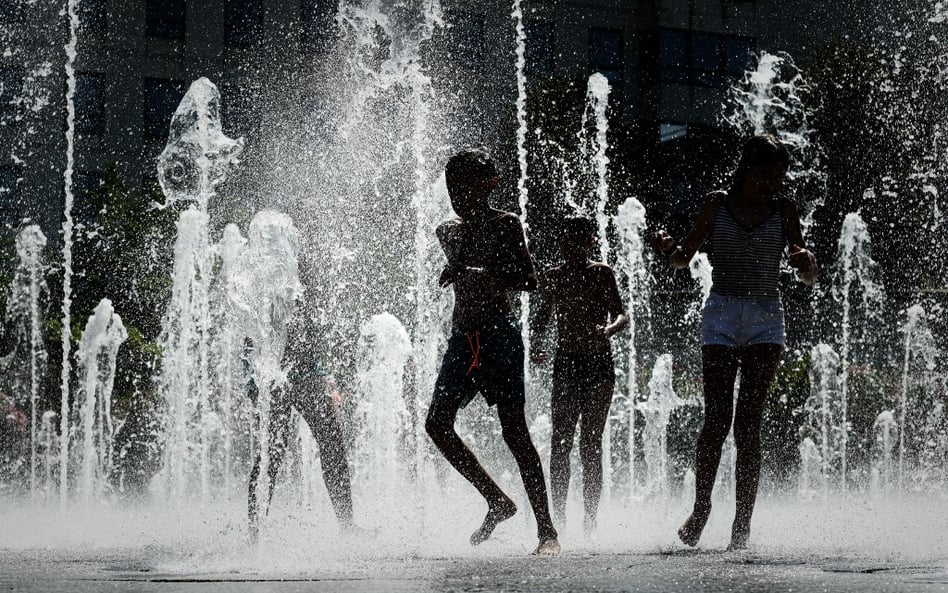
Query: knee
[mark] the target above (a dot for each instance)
(437, 428)
(747, 439)
(715, 431)
(590, 451)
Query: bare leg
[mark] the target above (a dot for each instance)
(595, 415)
(279, 426)
(758, 367)
(317, 410)
(440, 427)
(517, 436)
(720, 370)
(565, 410)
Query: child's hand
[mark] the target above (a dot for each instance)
(539, 354)
(801, 259)
(662, 241)
(448, 275)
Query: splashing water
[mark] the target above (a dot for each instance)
(918, 412)
(24, 313)
(93, 431)
(633, 265)
(883, 472)
(264, 288)
(826, 429)
(71, 52)
(657, 409)
(597, 101)
(195, 161)
(769, 101)
(381, 415)
(854, 284)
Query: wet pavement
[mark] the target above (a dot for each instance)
(676, 570)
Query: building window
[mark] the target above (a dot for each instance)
(11, 87)
(540, 47)
(90, 103)
(12, 11)
(668, 132)
(93, 16)
(10, 213)
(166, 18)
(243, 22)
(239, 115)
(466, 37)
(161, 100)
(606, 54)
(318, 29)
(705, 59)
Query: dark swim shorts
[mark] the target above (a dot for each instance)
(489, 359)
(584, 369)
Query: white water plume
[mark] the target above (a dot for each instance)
(25, 366)
(93, 432)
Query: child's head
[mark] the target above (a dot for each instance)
(763, 165)
(577, 236)
(470, 175)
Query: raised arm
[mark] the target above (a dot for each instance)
(680, 255)
(801, 258)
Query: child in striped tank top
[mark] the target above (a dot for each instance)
(750, 227)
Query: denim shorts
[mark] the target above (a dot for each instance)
(742, 321)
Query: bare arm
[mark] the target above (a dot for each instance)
(617, 316)
(517, 271)
(680, 255)
(539, 353)
(801, 258)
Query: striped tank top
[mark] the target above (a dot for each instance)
(746, 260)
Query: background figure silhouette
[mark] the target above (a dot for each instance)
(308, 391)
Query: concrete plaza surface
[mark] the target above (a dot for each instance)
(847, 544)
(662, 570)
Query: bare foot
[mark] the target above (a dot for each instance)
(739, 537)
(690, 532)
(496, 514)
(548, 547)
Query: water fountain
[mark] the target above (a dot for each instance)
(264, 288)
(71, 52)
(854, 284)
(884, 473)
(918, 413)
(826, 431)
(381, 416)
(23, 315)
(657, 410)
(195, 161)
(93, 432)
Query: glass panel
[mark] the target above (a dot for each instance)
(90, 103)
(243, 23)
(706, 59)
(540, 48)
(672, 48)
(738, 56)
(318, 24)
(605, 49)
(467, 36)
(166, 18)
(11, 87)
(161, 99)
